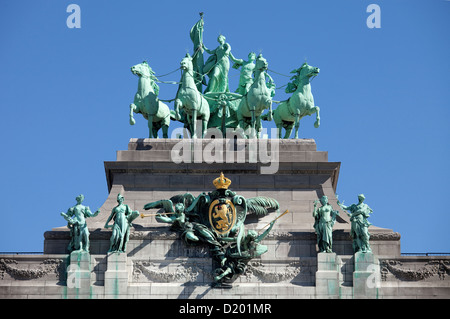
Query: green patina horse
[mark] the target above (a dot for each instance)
(147, 103)
(257, 99)
(190, 100)
(300, 104)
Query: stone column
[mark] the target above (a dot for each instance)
(366, 276)
(327, 276)
(79, 275)
(116, 275)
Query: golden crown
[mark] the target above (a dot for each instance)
(222, 182)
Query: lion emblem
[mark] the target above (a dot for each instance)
(222, 216)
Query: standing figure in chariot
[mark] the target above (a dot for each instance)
(246, 77)
(217, 66)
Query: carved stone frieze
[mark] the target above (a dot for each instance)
(190, 271)
(429, 269)
(258, 270)
(10, 267)
(183, 272)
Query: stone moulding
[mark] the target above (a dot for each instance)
(97, 234)
(330, 169)
(429, 269)
(47, 266)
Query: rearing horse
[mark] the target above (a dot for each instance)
(257, 99)
(147, 103)
(300, 104)
(191, 100)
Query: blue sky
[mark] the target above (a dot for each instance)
(384, 98)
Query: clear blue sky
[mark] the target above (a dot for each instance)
(384, 97)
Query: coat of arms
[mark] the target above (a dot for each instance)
(222, 215)
(217, 219)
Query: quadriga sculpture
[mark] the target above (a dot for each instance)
(301, 103)
(257, 99)
(147, 103)
(190, 100)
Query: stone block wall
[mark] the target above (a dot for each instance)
(158, 264)
(113, 276)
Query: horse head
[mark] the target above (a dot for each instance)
(261, 63)
(308, 71)
(142, 70)
(186, 63)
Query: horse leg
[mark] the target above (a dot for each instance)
(317, 122)
(270, 117)
(288, 130)
(194, 124)
(150, 126)
(297, 125)
(155, 131)
(133, 108)
(165, 129)
(278, 122)
(279, 127)
(165, 126)
(258, 126)
(204, 126)
(177, 106)
(253, 126)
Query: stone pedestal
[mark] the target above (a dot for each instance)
(79, 275)
(366, 277)
(149, 170)
(116, 275)
(158, 264)
(327, 276)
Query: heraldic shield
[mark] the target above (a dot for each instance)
(217, 219)
(222, 216)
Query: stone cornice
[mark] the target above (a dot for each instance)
(162, 234)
